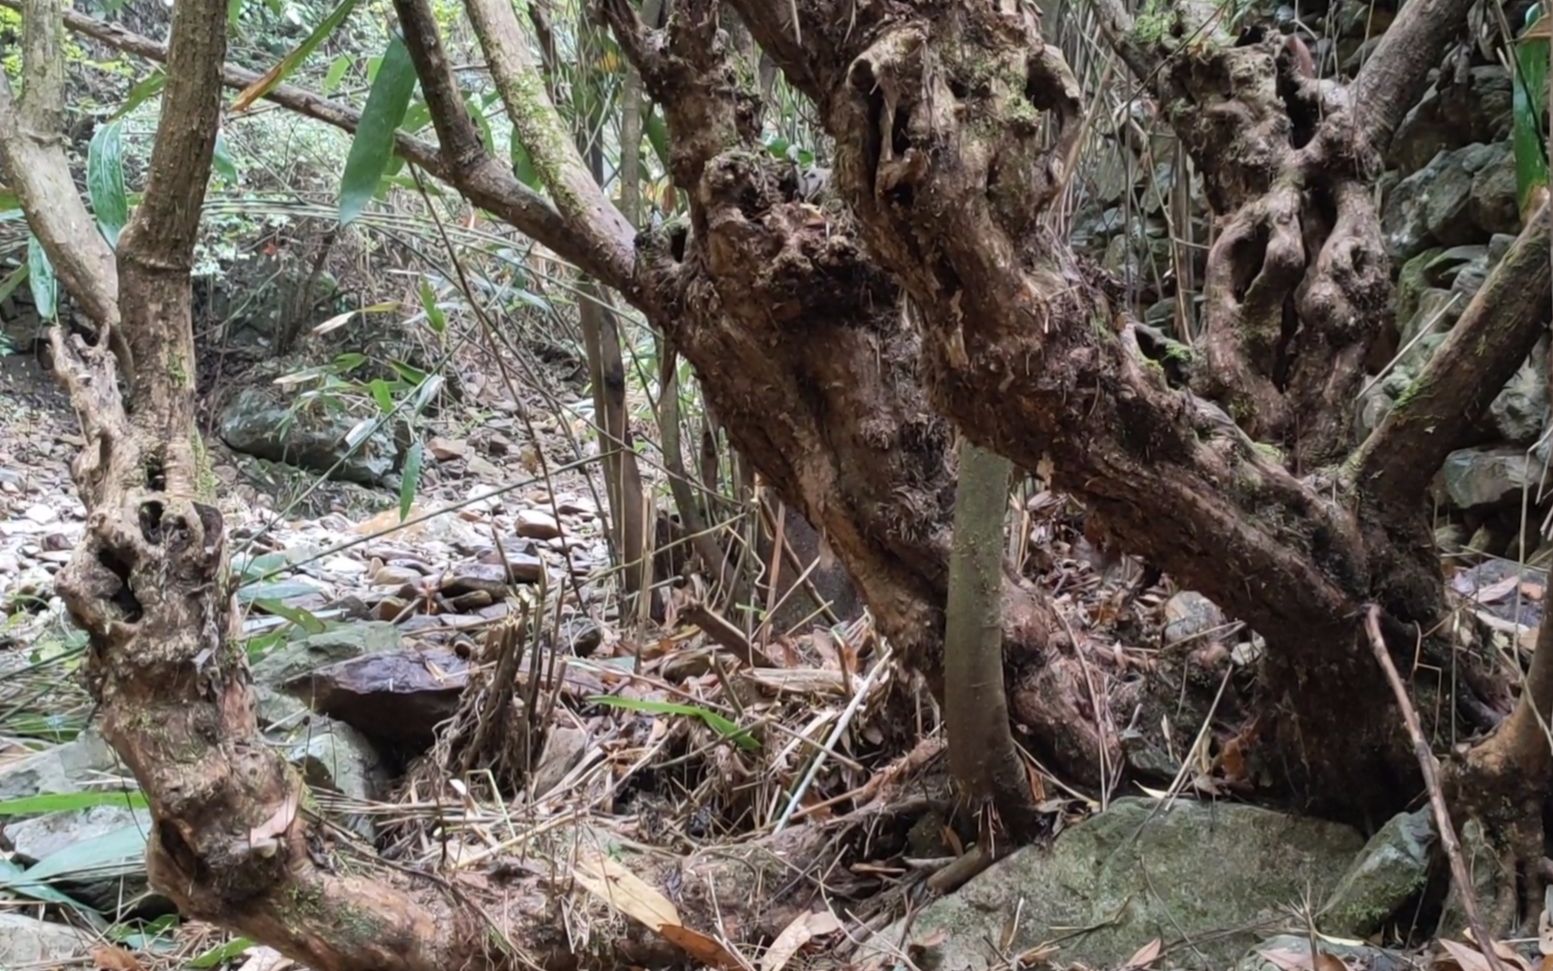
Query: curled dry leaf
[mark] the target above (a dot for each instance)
(110, 957)
(614, 883)
(804, 928)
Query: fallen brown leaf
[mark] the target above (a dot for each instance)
(1144, 956)
(110, 957)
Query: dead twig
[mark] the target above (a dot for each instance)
(1430, 769)
(717, 627)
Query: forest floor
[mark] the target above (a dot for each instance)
(369, 632)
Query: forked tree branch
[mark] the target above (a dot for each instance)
(485, 181)
(1498, 329)
(32, 153)
(1395, 76)
(539, 126)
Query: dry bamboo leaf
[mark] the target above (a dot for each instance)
(265, 959)
(804, 928)
(110, 957)
(1462, 956)
(696, 944)
(1145, 955)
(617, 886)
(1302, 959)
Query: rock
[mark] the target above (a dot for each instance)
(1483, 476)
(493, 577)
(394, 576)
(1456, 111)
(448, 449)
(41, 514)
(26, 942)
(396, 696)
(1413, 279)
(337, 644)
(1292, 951)
(1433, 205)
(110, 891)
(338, 757)
(256, 423)
(1188, 615)
(60, 768)
(1520, 409)
(564, 747)
(1392, 868)
(482, 468)
(1494, 205)
(1437, 309)
(1213, 874)
(537, 524)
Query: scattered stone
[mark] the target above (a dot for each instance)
(1292, 951)
(335, 756)
(41, 514)
(564, 747)
(448, 449)
(1519, 410)
(394, 576)
(28, 942)
(1189, 614)
(338, 644)
(1483, 476)
(483, 468)
(257, 423)
(397, 696)
(68, 767)
(1392, 868)
(1218, 875)
(537, 524)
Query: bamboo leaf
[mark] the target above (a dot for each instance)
(145, 89)
(105, 180)
(1529, 107)
(302, 618)
(293, 60)
(337, 69)
(409, 480)
(713, 720)
(54, 802)
(221, 953)
(40, 278)
(374, 143)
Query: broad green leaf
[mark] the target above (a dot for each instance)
(657, 136)
(374, 142)
(54, 802)
(523, 165)
(274, 590)
(293, 60)
(337, 69)
(105, 180)
(435, 318)
(40, 278)
(411, 375)
(222, 162)
(14, 879)
(146, 88)
(11, 281)
(349, 361)
(1529, 106)
(262, 565)
(117, 850)
(302, 618)
(380, 393)
(713, 720)
(409, 480)
(221, 953)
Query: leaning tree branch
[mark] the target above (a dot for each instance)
(539, 126)
(1396, 74)
(1498, 329)
(458, 140)
(32, 153)
(484, 180)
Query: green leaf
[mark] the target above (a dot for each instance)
(435, 318)
(380, 393)
(274, 590)
(15, 879)
(221, 953)
(293, 60)
(424, 393)
(523, 165)
(40, 278)
(222, 161)
(409, 480)
(657, 135)
(145, 89)
(55, 802)
(374, 142)
(302, 618)
(349, 361)
(411, 375)
(234, 12)
(713, 720)
(117, 850)
(9, 200)
(1529, 108)
(105, 180)
(477, 112)
(337, 69)
(12, 280)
